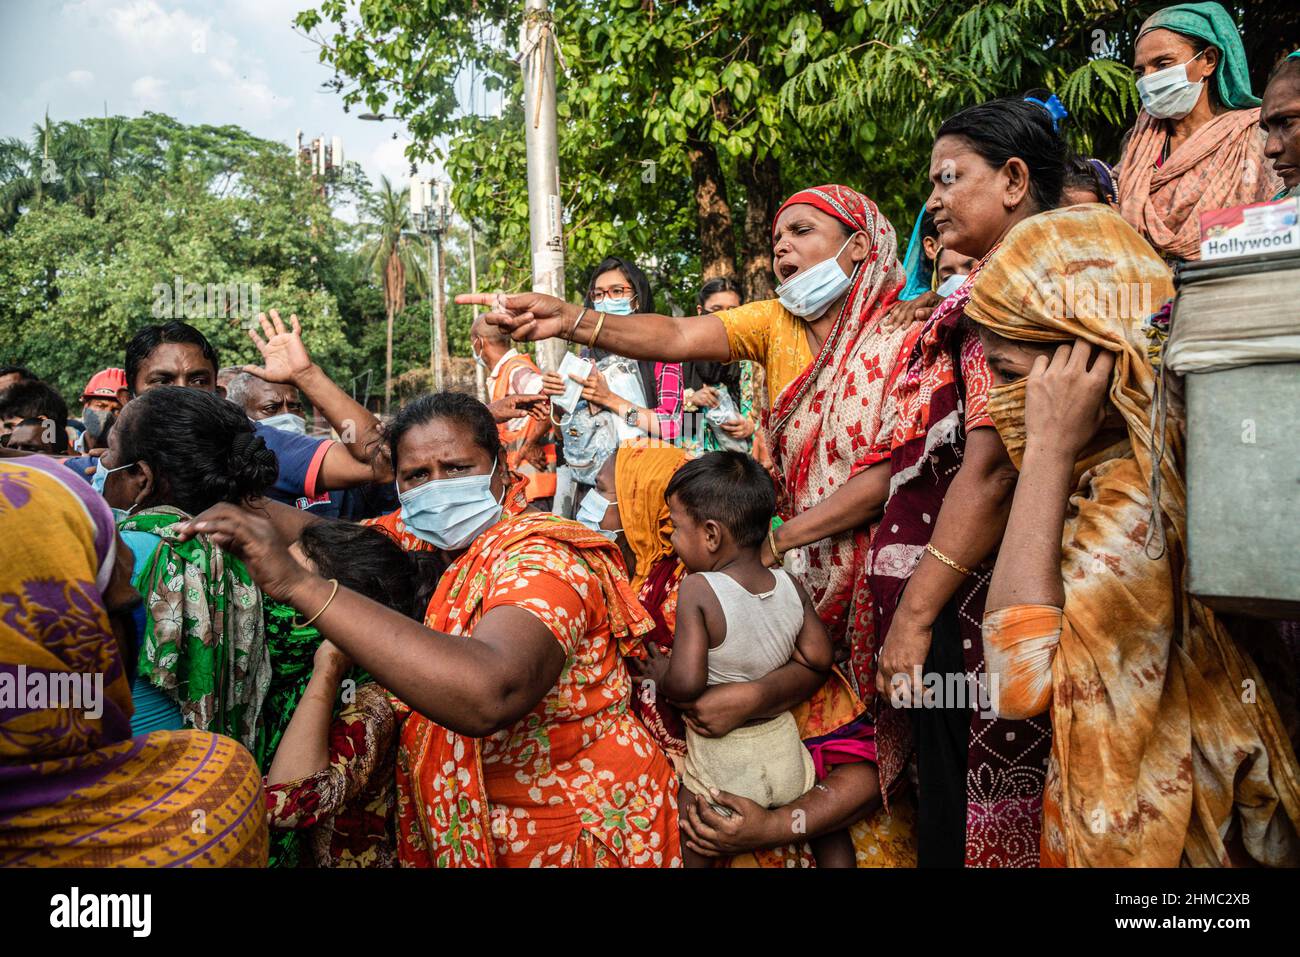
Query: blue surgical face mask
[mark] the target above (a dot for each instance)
(592, 512)
(950, 285)
(807, 294)
(101, 474)
(615, 307)
(120, 515)
(287, 422)
(450, 513)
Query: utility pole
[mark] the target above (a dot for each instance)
(538, 51)
(431, 215)
(480, 374)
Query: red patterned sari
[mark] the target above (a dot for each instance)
(942, 394)
(827, 424)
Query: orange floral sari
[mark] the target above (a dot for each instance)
(577, 782)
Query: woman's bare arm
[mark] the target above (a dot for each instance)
(531, 316)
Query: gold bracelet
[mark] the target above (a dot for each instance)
(947, 561)
(304, 624)
(771, 543)
(595, 333)
(577, 322)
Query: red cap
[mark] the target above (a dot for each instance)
(105, 384)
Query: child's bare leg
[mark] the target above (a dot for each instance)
(835, 850)
(690, 858)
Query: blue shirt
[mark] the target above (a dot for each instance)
(299, 457)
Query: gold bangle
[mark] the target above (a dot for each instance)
(595, 333)
(304, 624)
(947, 561)
(771, 543)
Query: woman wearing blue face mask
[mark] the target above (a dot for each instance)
(1196, 145)
(618, 287)
(517, 701)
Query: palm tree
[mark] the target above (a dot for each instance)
(395, 254)
(64, 162)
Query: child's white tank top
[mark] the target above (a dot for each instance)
(761, 629)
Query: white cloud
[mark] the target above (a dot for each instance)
(80, 78)
(149, 92)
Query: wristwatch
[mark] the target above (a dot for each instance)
(632, 416)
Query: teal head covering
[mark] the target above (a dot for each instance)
(1211, 23)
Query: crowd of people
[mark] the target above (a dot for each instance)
(888, 570)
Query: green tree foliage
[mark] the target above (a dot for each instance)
(214, 207)
(776, 94)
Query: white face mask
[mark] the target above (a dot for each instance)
(1168, 94)
(478, 357)
(592, 512)
(950, 285)
(807, 294)
(287, 422)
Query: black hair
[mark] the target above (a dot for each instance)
(24, 373)
(1080, 174)
(731, 488)
(716, 285)
(1005, 128)
(144, 342)
(202, 449)
(371, 563)
(33, 399)
(457, 406)
(645, 300)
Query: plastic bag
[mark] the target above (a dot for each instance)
(725, 411)
(590, 434)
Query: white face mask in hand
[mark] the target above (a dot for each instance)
(807, 294)
(1168, 94)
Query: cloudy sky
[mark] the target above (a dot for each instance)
(219, 61)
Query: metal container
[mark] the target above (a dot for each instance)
(1243, 434)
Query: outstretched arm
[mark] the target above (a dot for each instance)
(530, 316)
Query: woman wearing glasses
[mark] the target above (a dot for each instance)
(618, 287)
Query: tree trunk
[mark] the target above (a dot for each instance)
(717, 237)
(394, 301)
(761, 180)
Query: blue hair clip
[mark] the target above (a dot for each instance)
(1054, 107)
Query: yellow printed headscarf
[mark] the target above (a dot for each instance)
(641, 475)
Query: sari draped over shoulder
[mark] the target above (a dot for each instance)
(826, 426)
(1222, 164)
(642, 472)
(75, 789)
(577, 782)
(1157, 757)
(205, 637)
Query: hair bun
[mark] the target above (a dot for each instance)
(253, 465)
